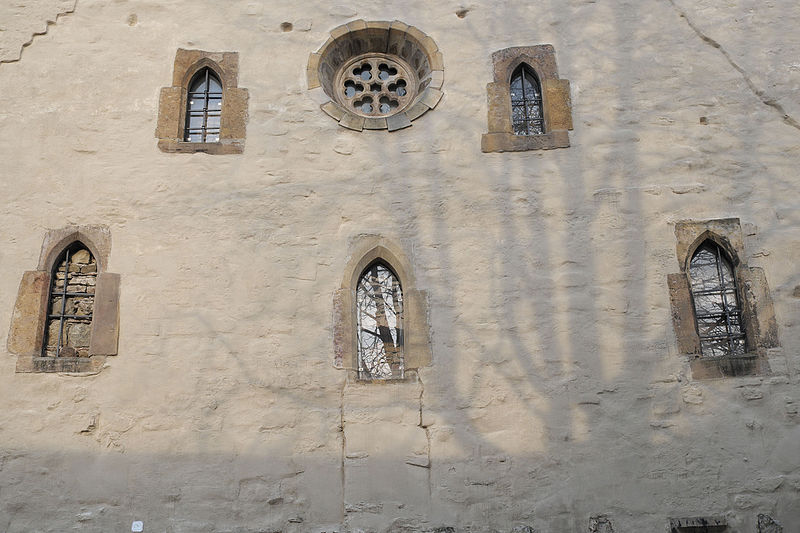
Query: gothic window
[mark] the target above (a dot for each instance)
(722, 310)
(717, 312)
(204, 108)
(529, 105)
(379, 300)
(66, 317)
(71, 304)
(526, 102)
(380, 315)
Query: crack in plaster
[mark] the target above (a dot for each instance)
(427, 435)
(49, 23)
(344, 447)
(761, 95)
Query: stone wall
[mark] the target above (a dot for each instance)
(556, 393)
(71, 338)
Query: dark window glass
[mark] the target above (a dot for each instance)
(526, 102)
(71, 303)
(203, 108)
(716, 302)
(380, 324)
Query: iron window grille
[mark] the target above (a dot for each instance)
(379, 300)
(526, 102)
(716, 302)
(204, 108)
(71, 304)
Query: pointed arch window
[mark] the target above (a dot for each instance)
(204, 94)
(66, 316)
(71, 303)
(526, 102)
(718, 314)
(204, 108)
(379, 308)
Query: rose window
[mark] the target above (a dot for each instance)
(375, 85)
(376, 75)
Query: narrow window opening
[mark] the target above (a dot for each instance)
(526, 102)
(716, 302)
(379, 300)
(71, 303)
(204, 108)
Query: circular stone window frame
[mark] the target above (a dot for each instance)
(360, 38)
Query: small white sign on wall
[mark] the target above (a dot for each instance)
(137, 526)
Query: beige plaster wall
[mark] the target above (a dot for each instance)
(556, 391)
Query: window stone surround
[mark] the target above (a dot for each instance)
(26, 335)
(365, 249)
(556, 103)
(758, 315)
(172, 104)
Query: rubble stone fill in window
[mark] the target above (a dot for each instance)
(716, 302)
(379, 299)
(71, 304)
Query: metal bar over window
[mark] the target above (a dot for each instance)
(70, 304)
(526, 103)
(204, 108)
(715, 295)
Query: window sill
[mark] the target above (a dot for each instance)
(508, 142)
(411, 376)
(750, 364)
(77, 365)
(218, 148)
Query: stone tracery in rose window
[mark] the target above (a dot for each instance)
(376, 85)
